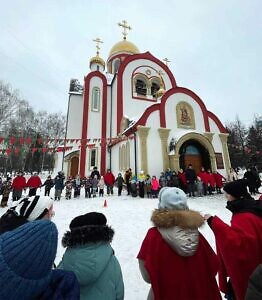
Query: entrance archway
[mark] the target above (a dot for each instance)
(204, 146)
(192, 152)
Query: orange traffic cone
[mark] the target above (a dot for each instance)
(105, 203)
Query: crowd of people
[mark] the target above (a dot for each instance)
(202, 183)
(174, 257)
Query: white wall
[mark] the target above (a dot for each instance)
(75, 116)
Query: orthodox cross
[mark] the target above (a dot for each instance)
(97, 41)
(125, 26)
(166, 60)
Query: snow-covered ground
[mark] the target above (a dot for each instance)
(130, 218)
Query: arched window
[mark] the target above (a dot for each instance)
(154, 88)
(141, 88)
(116, 65)
(95, 99)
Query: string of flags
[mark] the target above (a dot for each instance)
(18, 145)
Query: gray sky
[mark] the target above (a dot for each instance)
(215, 47)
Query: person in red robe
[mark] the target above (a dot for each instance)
(239, 246)
(175, 258)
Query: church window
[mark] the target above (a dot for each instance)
(127, 156)
(154, 88)
(95, 99)
(141, 88)
(116, 65)
(93, 157)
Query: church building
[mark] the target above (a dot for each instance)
(130, 113)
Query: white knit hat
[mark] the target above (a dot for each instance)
(31, 208)
(172, 198)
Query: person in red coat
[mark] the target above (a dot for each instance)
(239, 246)
(211, 183)
(219, 181)
(109, 179)
(175, 257)
(204, 178)
(33, 183)
(18, 184)
(182, 180)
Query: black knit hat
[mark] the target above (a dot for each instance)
(237, 188)
(92, 218)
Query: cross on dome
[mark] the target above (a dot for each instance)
(166, 60)
(125, 27)
(97, 41)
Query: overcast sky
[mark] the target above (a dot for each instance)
(215, 47)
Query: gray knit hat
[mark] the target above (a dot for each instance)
(172, 198)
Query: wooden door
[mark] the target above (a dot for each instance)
(74, 166)
(194, 160)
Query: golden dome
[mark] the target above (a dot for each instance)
(97, 60)
(124, 46)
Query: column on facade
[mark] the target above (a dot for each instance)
(143, 133)
(164, 133)
(223, 138)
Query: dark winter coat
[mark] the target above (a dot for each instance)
(63, 285)
(119, 181)
(190, 175)
(254, 290)
(10, 220)
(90, 256)
(239, 246)
(176, 258)
(49, 183)
(59, 182)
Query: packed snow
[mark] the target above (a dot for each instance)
(130, 218)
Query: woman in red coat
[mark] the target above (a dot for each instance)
(174, 257)
(239, 246)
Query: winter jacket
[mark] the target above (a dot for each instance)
(177, 260)
(19, 183)
(211, 179)
(101, 183)
(204, 176)
(239, 246)
(34, 182)
(59, 182)
(109, 179)
(49, 183)
(90, 256)
(63, 285)
(10, 220)
(154, 185)
(219, 179)
(254, 290)
(190, 175)
(119, 181)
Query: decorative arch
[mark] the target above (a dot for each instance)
(72, 160)
(202, 140)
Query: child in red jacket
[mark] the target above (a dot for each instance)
(175, 258)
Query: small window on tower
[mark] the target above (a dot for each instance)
(116, 65)
(95, 99)
(141, 87)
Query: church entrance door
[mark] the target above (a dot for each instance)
(74, 166)
(192, 152)
(195, 161)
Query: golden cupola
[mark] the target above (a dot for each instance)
(120, 50)
(97, 63)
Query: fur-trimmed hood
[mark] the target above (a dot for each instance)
(186, 219)
(88, 234)
(179, 228)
